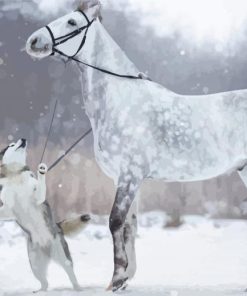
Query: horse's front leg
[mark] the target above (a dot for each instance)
(130, 232)
(126, 192)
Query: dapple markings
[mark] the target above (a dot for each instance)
(143, 130)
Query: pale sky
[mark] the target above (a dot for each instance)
(222, 22)
(201, 20)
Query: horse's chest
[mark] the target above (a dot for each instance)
(106, 162)
(108, 154)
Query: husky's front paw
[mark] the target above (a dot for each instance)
(43, 169)
(42, 289)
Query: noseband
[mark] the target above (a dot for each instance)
(62, 39)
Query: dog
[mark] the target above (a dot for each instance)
(24, 201)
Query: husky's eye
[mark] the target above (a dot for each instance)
(12, 145)
(72, 22)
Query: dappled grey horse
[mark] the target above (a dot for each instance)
(141, 129)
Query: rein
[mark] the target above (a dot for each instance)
(69, 149)
(49, 132)
(62, 39)
(55, 163)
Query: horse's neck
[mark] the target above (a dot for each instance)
(102, 51)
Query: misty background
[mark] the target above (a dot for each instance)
(168, 47)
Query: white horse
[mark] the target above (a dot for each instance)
(141, 129)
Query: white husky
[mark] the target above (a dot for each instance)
(24, 200)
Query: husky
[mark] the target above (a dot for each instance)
(24, 201)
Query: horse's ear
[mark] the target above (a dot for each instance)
(86, 4)
(83, 5)
(96, 11)
(92, 6)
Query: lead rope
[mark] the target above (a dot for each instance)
(55, 163)
(68, 150)
(49, 132)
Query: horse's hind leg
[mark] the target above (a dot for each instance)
(126, 192)
(130, 231)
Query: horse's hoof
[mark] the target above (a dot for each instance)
(119, 285)
(125, 285)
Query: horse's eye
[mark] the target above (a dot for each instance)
(12, 145)
(72, 23)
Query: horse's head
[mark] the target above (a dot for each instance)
(65, 35)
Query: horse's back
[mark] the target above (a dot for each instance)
(172, 136)
(197, 137)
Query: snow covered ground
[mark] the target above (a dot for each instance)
(202, 258)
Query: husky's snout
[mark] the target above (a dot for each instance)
(15, 153)
(23, 143)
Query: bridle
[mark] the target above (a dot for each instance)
(62, 39)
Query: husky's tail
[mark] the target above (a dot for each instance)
(75, 225)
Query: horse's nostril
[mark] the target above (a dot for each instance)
(34, 41)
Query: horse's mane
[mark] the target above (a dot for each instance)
(86, 4)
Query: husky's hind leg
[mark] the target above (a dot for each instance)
(243, 175)
(39, 262)
(6, 214)
(61, 255)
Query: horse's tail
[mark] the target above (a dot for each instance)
(73, 226)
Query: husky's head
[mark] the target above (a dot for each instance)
(15, 153)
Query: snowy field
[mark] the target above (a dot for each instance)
(202, 258)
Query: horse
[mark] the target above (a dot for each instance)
(141, 129)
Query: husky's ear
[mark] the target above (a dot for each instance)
(3, 152)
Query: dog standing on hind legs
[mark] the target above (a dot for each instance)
(24, 201)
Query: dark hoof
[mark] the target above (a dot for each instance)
(119, 285)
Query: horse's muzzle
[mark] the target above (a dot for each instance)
(39, 45)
